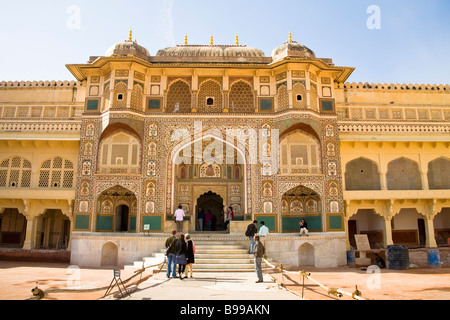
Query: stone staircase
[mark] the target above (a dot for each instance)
(212, 256)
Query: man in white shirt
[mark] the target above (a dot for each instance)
(263, 230)
(179, 217)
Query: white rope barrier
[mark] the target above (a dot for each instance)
(137, 273)
(337, 292)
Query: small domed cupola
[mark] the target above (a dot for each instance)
(292, 49)
(128, 47)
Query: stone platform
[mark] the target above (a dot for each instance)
(322, 250)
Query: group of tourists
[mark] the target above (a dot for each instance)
(206, 221)
(180, 250)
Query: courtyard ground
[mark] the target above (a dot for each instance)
(17, 279)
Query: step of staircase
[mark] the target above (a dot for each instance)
(211, 256)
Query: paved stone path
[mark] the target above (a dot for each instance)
(210, 286)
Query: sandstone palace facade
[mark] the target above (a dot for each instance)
(110, 156)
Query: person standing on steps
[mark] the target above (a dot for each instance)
(208, 220)
(181, 250)
(171, 255)
(250, 233)
(201, 219)
(179, 218)
(259, 253)
(229, 218)
(263, 230)
(190, 256)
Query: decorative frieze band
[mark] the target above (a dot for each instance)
(392, 128)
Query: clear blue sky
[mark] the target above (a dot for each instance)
(412, 45)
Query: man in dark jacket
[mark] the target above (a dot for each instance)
(171, 255)
(250, 233)
(259, 253)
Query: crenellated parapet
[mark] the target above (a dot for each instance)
(41, 84)
(392, 86)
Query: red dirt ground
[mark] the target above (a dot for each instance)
(18, 278)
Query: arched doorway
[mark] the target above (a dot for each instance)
(208, 163)
(122, 216)
(12, 228)
(213, 202)
(301, 203)
(116, 210)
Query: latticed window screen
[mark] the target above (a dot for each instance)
(283, 98)
(56, 173)
(210, 97)
(242, 99)
(179, 98)
(137, 97)
(15, 172)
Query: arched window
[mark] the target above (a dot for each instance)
(242, 99)
(120, 98)
(362, 174)
(210, 97)
(137, 97)
(179, 98)
(403, 174)
(438, 174)
(283, 97)
(15, 172)
(299, 154)
(56, 173)
(299, 96)
(120, 154)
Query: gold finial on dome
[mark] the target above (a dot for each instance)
(212, 40)
(237, 39)
(130, 37)
(290, 37)
(185, 40)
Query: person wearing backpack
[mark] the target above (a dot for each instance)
(259, 253)
(250, 233)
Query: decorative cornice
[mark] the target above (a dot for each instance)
(72, 127)
(41, 84)
(392, 128)
(392, 86)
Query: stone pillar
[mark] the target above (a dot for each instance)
(383, 179)
(429, 233)
(424, 178)
(30, 234)
(387, 241)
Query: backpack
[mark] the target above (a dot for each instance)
(250, 231)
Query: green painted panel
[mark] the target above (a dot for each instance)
(154, 104)
(269, 221)
(92, 105)
(335, 222)
(82, 222)
(105, 223)
(291, 223)
(132, 223)
(154, 222)
(266, 105)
